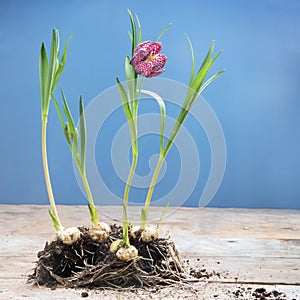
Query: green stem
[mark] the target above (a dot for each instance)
(140, 87)
(126, 196)
(92, 208)
(57, 223)
(151, 189)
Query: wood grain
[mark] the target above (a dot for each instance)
(248, 248)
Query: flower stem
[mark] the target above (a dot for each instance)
(92, 208)
(126, 196)
(151, 189)
(54, 213)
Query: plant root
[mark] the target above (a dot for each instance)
(89, 263)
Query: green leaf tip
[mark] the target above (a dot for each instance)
(82, 134)
(163, 32)
(125, 226)
(144, 217)
(163, 214)
(93, 214)
(56, 223)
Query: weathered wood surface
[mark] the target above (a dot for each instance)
(249, 248)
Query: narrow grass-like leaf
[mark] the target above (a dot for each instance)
(54, 220)
(200, 77)
(208, 55)
(124, 99)
(163, 32)
(130, 36)
(210, 80)
(75, 144)
(163, 214)
(162, 108)
(172, 137)
(193, 59)
(59, 113)
(139, 32)
(62, 63)
(65, 126)
(131, 82)
(129, 116)
(53, 61)
(68, 114)
(93, 214)
(43, 73)
(82, 134)
(133, 28)
(125, 226)
(144, 218)
(196, 87)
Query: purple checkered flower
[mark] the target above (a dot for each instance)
(147, 60)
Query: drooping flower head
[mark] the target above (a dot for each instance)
(147, 60)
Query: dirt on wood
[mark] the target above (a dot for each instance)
(159, 267)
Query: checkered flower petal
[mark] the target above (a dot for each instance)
(147, 60)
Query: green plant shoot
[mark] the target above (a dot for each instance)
(197, 84)
(130, 106)
(50, 71)
(77, 146)
(130, 100)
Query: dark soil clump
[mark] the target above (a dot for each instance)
(87, 263)
(257, 294)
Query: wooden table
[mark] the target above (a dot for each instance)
(250, 249)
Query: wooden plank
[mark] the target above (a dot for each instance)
(220, 222)
(18, 290)
(230, 269)
(249, 248)
(204, 246)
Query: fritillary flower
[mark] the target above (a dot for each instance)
(147, 60)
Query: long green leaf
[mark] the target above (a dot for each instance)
(62, 64)
(162, 108)
(82, 134)
(59, 113)
(193, 59)
(144, 217)
(210, 80)
(56, 223)
(163, 32)
(201, 75)
(53, 61)
(75, 145)
(129, 116)
(139, 33)
(208, 55)
(163, 214)
(195, 88)
(125, 226)
(133, 28)
(68, 114)
(131, 83)
(130, 36)
(43, 73)
(124, 99)
(65, 126)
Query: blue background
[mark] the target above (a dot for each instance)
(256, 100)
